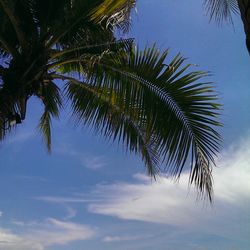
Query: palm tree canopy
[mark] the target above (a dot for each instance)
(166, 113)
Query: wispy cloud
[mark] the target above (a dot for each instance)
(109, 238)
(71, 213)
(19, 137)
(94, 162)
(65, 199)
(167, 203)
(31, 178)
(38, 235)
(57, 232)
(87, 160)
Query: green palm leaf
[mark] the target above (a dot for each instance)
(93, 107)
(69, 60)
(166, 102)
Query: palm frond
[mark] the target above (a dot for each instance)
(45, 128)
(74, 19)
(69, 61)
(92, 107)
(94, 48)
(8, 38)
(6, 49)
(220, 10)
(177, 110)
(8, 109)
(10, 8)
(114, 13)
(51, 98)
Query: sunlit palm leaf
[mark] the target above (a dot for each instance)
(70, 60)
(115, 13)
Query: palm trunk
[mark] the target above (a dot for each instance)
(244, 6)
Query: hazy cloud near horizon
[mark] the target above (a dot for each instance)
(38, 235)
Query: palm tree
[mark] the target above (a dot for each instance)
(162, 111)
(223, 10)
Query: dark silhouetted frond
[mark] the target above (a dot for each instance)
(220, 10)
(50, 96)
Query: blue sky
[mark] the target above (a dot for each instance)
(90, 195)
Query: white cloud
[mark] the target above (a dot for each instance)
(1, 213)
(232, 177)
(166, 202)
(38, 235)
